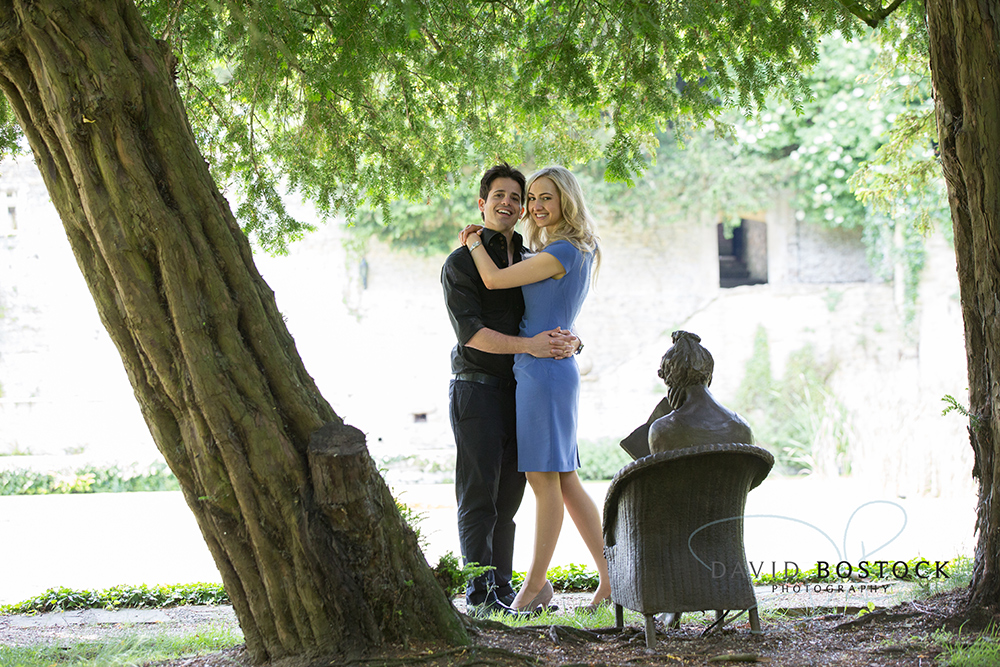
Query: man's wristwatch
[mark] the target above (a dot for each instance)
(579, 349)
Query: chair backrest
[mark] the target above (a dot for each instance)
(704, 473)
(673, 527)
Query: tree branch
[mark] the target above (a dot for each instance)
(872, 19)
(172, 21)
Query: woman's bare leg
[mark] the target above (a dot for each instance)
(583, 511)
(548, 522)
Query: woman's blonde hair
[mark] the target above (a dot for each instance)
(577, 226)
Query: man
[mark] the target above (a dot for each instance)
(488, 486)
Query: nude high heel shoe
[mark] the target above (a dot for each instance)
(543, 599)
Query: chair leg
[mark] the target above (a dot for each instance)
(755, 622)
(650, 632)
(619, 616)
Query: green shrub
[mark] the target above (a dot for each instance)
(568, 579)
(600, 460)
(89, 479)
(118, 597)
(958, 571)
(453, 577)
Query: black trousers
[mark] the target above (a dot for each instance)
(488, 486)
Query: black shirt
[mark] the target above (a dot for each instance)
(472, 307)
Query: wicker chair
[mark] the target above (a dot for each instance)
(673, 532)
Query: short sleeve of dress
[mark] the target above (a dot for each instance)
(567, 254)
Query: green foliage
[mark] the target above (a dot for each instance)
(832, 299)
(121, 597)
(757, 379)
(426, 226)
(10, 134)
(796, 418)
(705, 171)
(863, 148)
(89, 479)
(352, 104)
(453, 577)
(903, 179)
(958, 570)
(15, 450)
(412, 518)
(601, 460)
(869, 108)
(356, 107)
(836, 128)
(571, 578)
(952, 404)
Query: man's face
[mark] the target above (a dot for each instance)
(502, 208)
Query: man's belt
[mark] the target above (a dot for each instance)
(485, 378)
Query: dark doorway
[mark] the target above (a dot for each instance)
(743, 254)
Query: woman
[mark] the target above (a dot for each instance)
(555, 282)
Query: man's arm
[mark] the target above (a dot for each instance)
(465, 311)
(556, 343)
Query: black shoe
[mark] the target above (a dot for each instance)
(483, 608)
(507, 610)
(480, 610)
(495, 606)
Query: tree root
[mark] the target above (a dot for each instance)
(568, 634)
(479, 655)
(877, 615)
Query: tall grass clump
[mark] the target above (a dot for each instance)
(796, 417)
(983, 651)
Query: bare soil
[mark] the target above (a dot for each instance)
(893, 637)
(897, 636)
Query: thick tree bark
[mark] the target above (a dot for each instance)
(305, 533)
(965, 64)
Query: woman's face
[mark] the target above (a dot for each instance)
(544, 206)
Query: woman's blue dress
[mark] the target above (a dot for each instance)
(548, 390)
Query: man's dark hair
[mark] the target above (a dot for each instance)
(502, 170)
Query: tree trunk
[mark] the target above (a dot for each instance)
(965, 65)
(305, 533)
